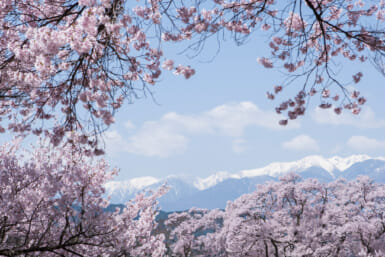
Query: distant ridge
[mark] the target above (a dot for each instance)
(215, 190)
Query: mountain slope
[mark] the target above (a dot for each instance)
(215, 190)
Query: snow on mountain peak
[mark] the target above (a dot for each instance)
(131, 185)
(204, 183)
(334, 163)
(344, 163)
(275, 169)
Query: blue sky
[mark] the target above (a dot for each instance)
(220, 119)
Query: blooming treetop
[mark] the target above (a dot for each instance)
(76, 62)
(289, 218)
(51, 204)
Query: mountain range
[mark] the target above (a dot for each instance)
(214, 191)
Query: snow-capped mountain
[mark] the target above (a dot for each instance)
(214, 191)
(331, 165)
(132, 186)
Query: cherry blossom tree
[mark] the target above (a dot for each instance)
(51, 204)
(68, 65)
(289, 218)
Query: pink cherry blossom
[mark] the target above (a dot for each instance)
(265, 62)
(277, 89)
(168, 64)
(326, 93)
(291, 217)
(69, 61)
(187, 72)
(52, 204)
(338, 110)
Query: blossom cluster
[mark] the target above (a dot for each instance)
(305, 38)
(292, 217)
(69, 65)
(52, 203)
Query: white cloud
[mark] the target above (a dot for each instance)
(301, 143)
(232, 119)
(157, 139)
(227, 119)
(169, 134)
(366, 119)
(114, 142)
(362, 143)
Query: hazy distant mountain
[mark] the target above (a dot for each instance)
(215, 190)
